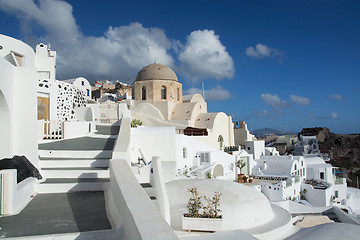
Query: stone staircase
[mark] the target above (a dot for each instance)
(77, 165)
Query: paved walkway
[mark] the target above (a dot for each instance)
(80, 144)
(58, 213)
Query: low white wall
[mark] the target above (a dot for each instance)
(317, 197)
(84, 114)
(122, 144)
(157, 181)
(77, 129)
(15, 196)
(25, 192)
(130, 208)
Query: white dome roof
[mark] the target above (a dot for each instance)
(242, 207)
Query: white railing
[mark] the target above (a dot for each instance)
(53, 129)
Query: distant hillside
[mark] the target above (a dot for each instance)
(260, 133)
(344, 150)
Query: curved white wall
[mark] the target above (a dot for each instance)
(18, 84)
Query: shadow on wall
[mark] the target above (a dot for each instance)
(5, 127)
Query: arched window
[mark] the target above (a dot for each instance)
(163, 92)
(221, 141)
(178, 94)
(143, 93)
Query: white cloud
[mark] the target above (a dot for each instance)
(203, 56)
(272, 114)
(262, 51)
(273, 100)
(337, 97)
(301, 101)
(52, 15)
(334, 115)
(217, 93)
(119, 54)
(122, 50)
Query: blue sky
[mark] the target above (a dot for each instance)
(279, 64)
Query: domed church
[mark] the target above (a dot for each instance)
(157, 82)
(158, 101)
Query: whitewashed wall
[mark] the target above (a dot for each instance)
(18, 123)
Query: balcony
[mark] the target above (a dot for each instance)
(318, 184)
(231, 149)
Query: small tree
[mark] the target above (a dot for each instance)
(211, 210)
(194, 204)
(240, 164)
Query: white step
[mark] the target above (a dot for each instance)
(98, 154)
(72, 187)
(70, 163)
(75, 173)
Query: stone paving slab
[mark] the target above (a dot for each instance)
(80, 144)
(58, 213)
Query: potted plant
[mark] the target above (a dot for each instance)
(135, 123)
(202, 218)
(240, 164)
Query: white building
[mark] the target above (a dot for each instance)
(281, 175)
(18, 126)
(307, 146)
(182, 156)
(158, 101)
(57, 100)
(161, 154)
(323, 187)
(242, 134)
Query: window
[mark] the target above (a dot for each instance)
(220, 141)
(322, 175)
(178, 94)
(82, 83)
(19, 59)
(337, 194)
(143, 93)
(87, 92)
(204, 158)
(163, 92)
(248, 148)
(184, 152)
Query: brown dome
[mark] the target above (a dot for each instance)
(156, 71)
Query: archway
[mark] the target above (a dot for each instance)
(218, 171)
(5, 128)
